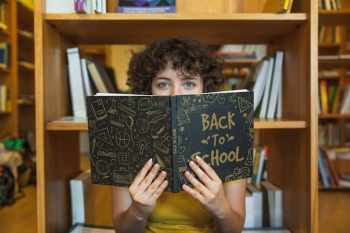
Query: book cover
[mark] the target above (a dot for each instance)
(146, 6)
(125, 131)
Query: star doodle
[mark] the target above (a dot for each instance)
(182, 128)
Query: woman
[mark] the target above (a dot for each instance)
(175, 66)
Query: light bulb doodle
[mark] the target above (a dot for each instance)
(142, 146)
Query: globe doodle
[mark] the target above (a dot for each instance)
(122, 138)
(102, 168)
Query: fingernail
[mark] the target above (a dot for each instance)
(197, 157)
(191, 163)
(156, 165)
(151, 160)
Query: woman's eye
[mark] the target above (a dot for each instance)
(189, 84)
(162, 85)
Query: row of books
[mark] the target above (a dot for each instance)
(329, 4)
(333, 98)
(329, 134)
(260, 155)
(328, 176)
(242, 51)
(329, 35)
(110, 6)
(5, 105)
(5, 55)
(86, 78)
(265, 79)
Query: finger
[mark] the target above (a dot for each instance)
(156, 183)
(143, 172)
(207, 169)
(198, 185)
(193, 193)
(200, 173)
(160, 190)
(148, 179)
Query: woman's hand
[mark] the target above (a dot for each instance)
(210, 193)
(145, 192)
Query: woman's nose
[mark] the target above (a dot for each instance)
(175, 91)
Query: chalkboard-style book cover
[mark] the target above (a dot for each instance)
(146, 6)
(125, 131)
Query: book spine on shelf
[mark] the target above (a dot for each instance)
(173, 103)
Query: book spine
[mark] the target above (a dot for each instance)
(173, 103)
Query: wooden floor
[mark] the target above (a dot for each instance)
(334, 210)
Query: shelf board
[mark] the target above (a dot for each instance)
(117, 28)
(4, 113)
(26, 66)
(332, 18)
(332, 63)
(5, 70)
(25, 102)
(258, 124)
(332, 77)
(240, 63)
(329, 45)
(322, 188)
(333, 116)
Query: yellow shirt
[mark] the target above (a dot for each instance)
(179, 212)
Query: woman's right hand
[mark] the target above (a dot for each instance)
(145, 191)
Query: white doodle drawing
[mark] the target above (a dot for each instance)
(106, 153)
(99, 110)
(122, 139)
(126, 109)
(142, 146)
(102, 168)
(113, 109)
(145, 104)
(161, 147)
(143, 125)
(123, 158)
(103, 134)
(122, 176)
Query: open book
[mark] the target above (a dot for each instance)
(125, 131)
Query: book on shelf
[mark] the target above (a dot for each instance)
(5, 55)
(249, 210)
(278, 6)
(258, 204)
(344, 180)
(330, 168)
(344, 56)
(125, 131)
(258, 158)
(267, 88)
(324, 171)
(323, 96)
(82, 195)
(4, 106)
(147, 6)
(76, 83)
(272, 204)
(260, 82)
(276, 84)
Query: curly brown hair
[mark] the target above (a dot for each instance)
(187, 56)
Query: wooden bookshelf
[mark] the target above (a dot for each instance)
(294, 170)
(341, 19)
(9, 76)
(26, 67)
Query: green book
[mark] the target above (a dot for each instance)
(125, 131)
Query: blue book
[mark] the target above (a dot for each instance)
(146, 6)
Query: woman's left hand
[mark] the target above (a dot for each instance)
(210, 192)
